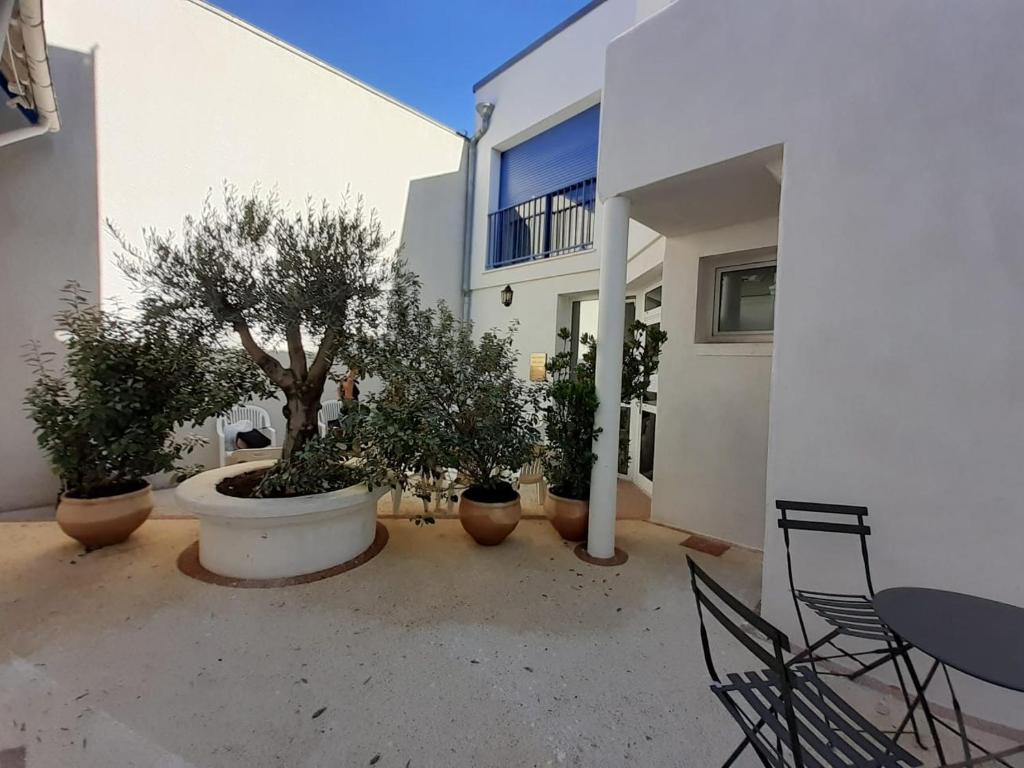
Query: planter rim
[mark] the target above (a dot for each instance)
(566, 498)
(200, 496)
(492, 504)
(105, 499)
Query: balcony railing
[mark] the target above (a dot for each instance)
(553, 224)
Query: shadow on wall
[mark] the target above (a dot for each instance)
(50, 235)
(431, 240)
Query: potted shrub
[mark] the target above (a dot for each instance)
(403, 439)
(571, 403)
(317, 278)
(569, 427)
(493, 415)
(452, 401)
(107, 419)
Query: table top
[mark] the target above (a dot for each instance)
(981, 638)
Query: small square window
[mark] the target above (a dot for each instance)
(652, 299)
(746, 300)
(736, 297)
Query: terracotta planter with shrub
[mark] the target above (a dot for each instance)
(488, 522)
(105, 520)
(568, 516)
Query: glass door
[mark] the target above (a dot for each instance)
(644, 413)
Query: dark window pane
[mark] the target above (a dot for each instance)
(652, 299)
(647, 426)
(746, 302)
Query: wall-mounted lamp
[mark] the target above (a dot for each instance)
(506, 296)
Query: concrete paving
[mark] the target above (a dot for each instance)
(436, 653)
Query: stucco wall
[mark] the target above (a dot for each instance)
(532, 95)
(712, 438)
(183, 99)
(49, 236)
(898, 358)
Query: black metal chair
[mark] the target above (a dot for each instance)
(788, 716)
(850, 615)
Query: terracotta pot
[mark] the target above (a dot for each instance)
(104, 521)
(568, 516)
(489, 523)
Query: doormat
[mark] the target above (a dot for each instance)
(712, 547)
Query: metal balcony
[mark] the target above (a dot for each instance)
(557, 223)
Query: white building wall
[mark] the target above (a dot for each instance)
(557, 80)
(898, 358)
(50, 235)
(186, 98)
(711, 446)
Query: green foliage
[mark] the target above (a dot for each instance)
(572, 404)
(569, 419)
(641, 352)
(448, 399)
(254, 269)
(107, 418)
(320, 466)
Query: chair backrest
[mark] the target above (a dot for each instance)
(703, 588)
(258, 416)
(329, 411)
(824, 518)
(531, 472)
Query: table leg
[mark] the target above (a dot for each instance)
(959, 715)
(920, 699)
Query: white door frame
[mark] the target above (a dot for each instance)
(636, 408)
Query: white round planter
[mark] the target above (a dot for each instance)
(277, 538)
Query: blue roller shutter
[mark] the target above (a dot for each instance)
(560, 156)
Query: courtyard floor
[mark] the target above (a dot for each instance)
(437, 652)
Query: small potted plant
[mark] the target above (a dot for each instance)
(318, 279)
(493, 414)
(569, 426)
(451, 401)
(571, 403)
(403, 438)
(108, 418)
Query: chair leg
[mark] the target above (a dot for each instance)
(808, 653)
(741, 746)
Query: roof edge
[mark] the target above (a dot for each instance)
(320, 63)
(537, 43)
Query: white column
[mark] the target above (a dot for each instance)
(611, 317)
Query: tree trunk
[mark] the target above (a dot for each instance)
(300, 412)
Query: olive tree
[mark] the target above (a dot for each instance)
(249, 267)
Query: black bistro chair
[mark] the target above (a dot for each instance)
(788, 716)
(851, 615)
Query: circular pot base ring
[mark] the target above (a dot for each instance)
(618, 558)
(188, 564)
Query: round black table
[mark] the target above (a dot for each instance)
(981, 638)
(978, 637)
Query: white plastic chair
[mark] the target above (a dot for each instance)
(532, 473)
(329, 411)
(260, 420)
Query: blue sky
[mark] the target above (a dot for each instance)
(423, 52)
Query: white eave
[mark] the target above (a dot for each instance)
(25, 65)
